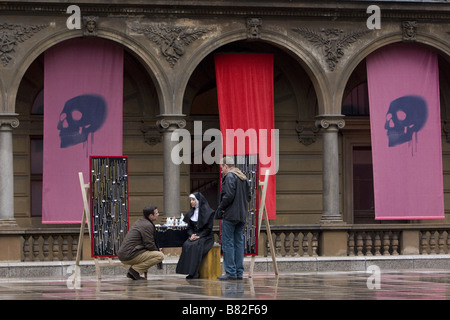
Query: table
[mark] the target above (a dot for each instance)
(168, 237)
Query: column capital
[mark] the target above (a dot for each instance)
(327, 120)
(170, 123)
(9, 119)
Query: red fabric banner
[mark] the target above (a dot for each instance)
(83, 94)
(246, 111)
(403, 81)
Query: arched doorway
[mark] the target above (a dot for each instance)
(295, 102)
(358, 193)
(140, 107)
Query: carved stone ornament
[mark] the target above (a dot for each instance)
(332, 41)
(253, 26)
(9, 120)
(327, 121)
(409, 30)
(90, 26)
(307, 135)
(13, 34)
(446, 128)
(171, 40)
(165, 124)
(152, 136)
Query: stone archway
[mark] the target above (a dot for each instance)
(150, 64)
(140, 108)
(358, 205)
(295, 102)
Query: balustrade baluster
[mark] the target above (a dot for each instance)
(315, 243)
(55, 248)
(441, 242)
(423, 242)
(432, 242)
(448, 242)
(296, 244)
(65, 248)
(287, 243)
(26, 248)
(305, 244)
(377, 244)
(45, 247)
(368, 240)
(359, 244)
(74, 247)
(268, 253)
(395, 243)
(386, 243)
(36, 248)
(351, 244)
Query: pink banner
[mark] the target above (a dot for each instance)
(403, 81)
(83, 94)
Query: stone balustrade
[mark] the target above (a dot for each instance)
(60, 244)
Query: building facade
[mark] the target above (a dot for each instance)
(324, 183)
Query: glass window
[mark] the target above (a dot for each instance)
(363, 199)
(357, 101)
(38, 104)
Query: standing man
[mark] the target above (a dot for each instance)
(233, 209)
(139, 249)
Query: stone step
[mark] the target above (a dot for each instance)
(64, 269)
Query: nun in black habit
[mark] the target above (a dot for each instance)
(200, 220)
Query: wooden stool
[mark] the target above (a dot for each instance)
(210, 266)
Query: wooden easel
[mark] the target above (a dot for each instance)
(262, 210)
(85, 192)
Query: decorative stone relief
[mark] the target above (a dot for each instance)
(307, 135)
(11, 35)
(332, 41)
(8, 120)
(152, 135)
(166, 123)
(90, 26)
(330, 120)
(446, 129)
(171, 40)
(409, 30)
(253, 26)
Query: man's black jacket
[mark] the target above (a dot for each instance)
(234, 197)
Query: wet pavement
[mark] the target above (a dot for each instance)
(426, 284)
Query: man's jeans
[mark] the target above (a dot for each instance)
(232, 238)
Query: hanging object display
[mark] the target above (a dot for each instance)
(248, 164)
(109, 204)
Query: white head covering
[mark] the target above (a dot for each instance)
(195, 215)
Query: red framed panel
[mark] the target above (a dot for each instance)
(109, 204)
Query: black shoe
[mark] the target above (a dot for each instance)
(239, 278)
(226, 277)
(133, 274)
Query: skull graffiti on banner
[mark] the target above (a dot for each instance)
(81, 116)
(406, 116)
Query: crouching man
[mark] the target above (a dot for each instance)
(139, 249)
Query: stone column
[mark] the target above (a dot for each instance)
(171, 177)
(331, 125)
(7, 123)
